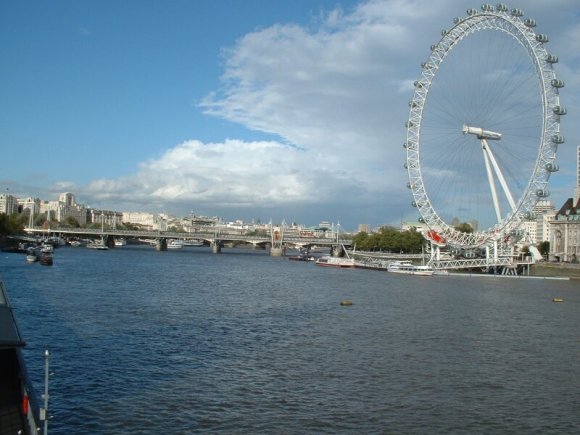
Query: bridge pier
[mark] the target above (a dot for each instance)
(161, 244)
(277, 252)
(109, 241)
(216, 246)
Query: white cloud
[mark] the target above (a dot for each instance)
(336, 96)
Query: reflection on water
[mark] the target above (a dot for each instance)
(187, 341)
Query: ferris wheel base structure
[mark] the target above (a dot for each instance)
(481, 144)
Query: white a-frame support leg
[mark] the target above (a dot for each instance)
(487, 152)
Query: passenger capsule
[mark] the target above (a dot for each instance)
(409, 124)
(517, 13)
(557, 83)
(414, 204)
(421, 220)
(530, 216)
(530, 22)
(405, 145)
(413, 104)
(405, 165)
(501, 7)
(408, 185)
(418, 84)
(487, 7)
(471, 11)
(558, 139)
(444, 32)
(550, 58)
(559, 110)
(552, 167)
(542, 193)
(433, 47)
(457, 20)
(542, 38)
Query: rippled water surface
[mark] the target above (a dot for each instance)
(185, 341)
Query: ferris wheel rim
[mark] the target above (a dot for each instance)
(498, 19)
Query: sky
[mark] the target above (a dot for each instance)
(243, 109)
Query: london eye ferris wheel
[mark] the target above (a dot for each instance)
(483, 127)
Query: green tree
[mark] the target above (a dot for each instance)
(11, 224)
(464, 227)
(544, 248)
(71, 222)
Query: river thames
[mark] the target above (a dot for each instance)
(185, 341)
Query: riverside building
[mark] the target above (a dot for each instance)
(565, 227)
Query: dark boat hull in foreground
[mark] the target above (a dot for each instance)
(18, 409)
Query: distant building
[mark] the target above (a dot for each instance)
(8, 204)
(419, 226)
(148, 221)
(66, 207)
(538, 230)
(364, 228)
(105, 217)
(29, 206)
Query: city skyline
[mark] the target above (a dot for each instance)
(241, 110)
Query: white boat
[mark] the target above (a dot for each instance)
(408, 268)
(192, 242)
(329, 261)
(175, 244)
(46, 248)
(121, 241)
(97, 244)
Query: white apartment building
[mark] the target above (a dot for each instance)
(8, 204)
(104, 217)
(64, 208)
(538, 230)
(147, 221)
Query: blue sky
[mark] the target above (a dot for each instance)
(242, 109)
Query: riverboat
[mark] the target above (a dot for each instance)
(175, 244)
(31, 255)
(45, 259)
(408, 268)
(120, 241)
(47, 248)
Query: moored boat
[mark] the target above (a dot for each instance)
(120, 241)
(46, 248)
(45, 259)
(31, 255)
(97, 244)
(408, 268)
(18, 405)
(175, 244)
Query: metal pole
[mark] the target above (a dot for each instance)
(46, 358)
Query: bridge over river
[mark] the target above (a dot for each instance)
(276, 238)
